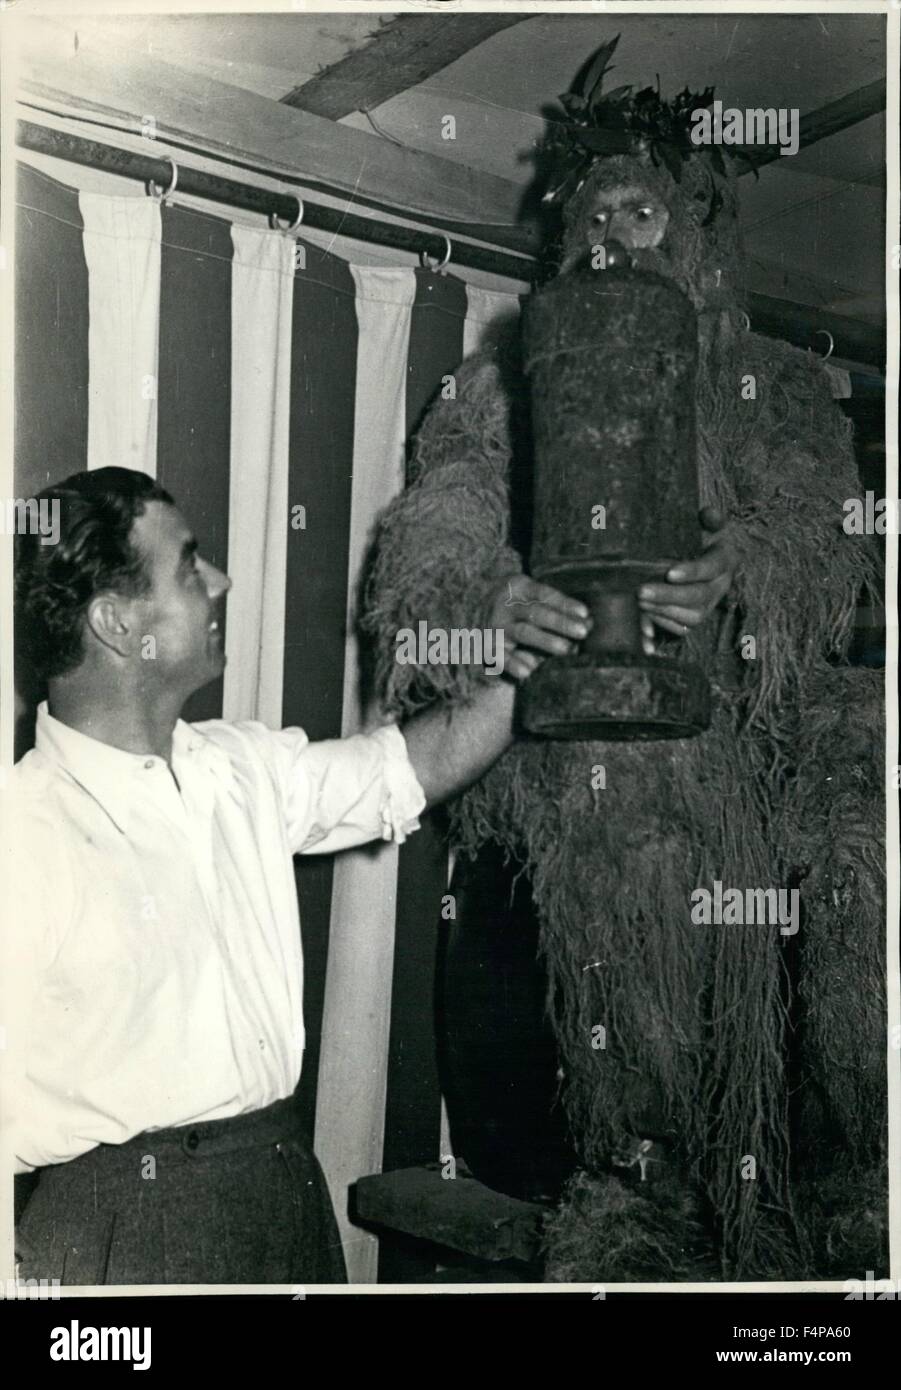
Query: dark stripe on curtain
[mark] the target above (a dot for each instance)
(194, 392)
(51, 328)
(413, 1099)
(51, 363)
(321, 441)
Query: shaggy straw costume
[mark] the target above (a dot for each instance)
(724, 1043)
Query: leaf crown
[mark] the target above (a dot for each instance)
(599, 124)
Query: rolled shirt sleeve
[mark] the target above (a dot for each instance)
(347, 791)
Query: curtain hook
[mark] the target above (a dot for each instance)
(435, 266)
(277, 225)
(824, 332)
(154, 190)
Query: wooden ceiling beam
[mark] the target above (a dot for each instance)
(400, 55)
(108, 83)
(826, 120)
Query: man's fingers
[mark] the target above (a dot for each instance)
(700, 599)
(526, 634)
(670, 624)
(682, 618)
(520, 664)
(715, 563)
(562, 603)
(540, 615)
(523, 592)
(543, 620)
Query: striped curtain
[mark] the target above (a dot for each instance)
(274, 401)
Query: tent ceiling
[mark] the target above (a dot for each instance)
(813, 222)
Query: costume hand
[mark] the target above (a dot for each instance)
(694, 588)
(537, 620)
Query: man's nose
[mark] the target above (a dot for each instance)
(216, 582)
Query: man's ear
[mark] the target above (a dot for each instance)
(109, 616)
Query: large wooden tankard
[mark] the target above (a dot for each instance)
(611, 357)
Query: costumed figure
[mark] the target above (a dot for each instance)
(732, 1124)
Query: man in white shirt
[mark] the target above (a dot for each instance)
(153, 969)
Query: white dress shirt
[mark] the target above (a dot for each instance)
(154, 973)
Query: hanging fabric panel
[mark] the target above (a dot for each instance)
(271, 387)
(122, 250)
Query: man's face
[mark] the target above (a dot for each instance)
(183, 613)
(627, 212)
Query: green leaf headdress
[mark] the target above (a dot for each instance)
(599, 124)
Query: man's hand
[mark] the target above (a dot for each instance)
(693, 589)
(450, 749)
(540, 621)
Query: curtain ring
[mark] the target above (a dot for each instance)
(824, 332)
(277, 225)
(154, 190)
(426, 262)
(745, 320)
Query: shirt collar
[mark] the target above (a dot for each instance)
(113, 777)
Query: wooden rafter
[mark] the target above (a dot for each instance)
(826, 120)
(252, 131)
(403, 53)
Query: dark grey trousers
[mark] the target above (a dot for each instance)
(238, 1201)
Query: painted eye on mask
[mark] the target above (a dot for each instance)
(600, 218)
(644, 214)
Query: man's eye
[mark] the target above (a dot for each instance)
(644, 213)
(600, 218)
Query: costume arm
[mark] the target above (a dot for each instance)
(444, 543)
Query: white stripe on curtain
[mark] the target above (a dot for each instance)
(483, 309)
(262, 303)
(122, 251)
(350, 1103)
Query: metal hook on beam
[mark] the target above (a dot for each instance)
(824, 333)
(161, 194)
(277, 225)
(427, 263)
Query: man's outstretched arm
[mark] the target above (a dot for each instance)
(451, 746)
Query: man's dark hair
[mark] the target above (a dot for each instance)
(56, 582)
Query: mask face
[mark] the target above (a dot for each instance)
(630, 213)
(660, 224)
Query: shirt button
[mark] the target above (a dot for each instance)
(150, 764)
